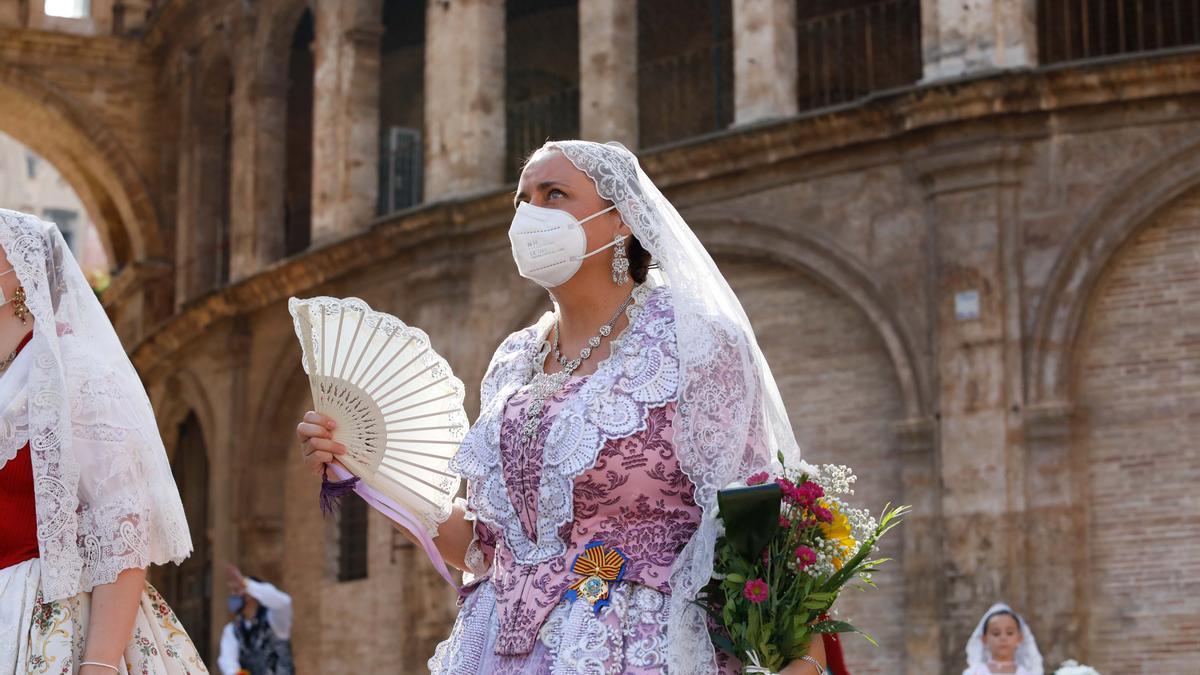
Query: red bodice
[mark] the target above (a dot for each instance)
(18, 527)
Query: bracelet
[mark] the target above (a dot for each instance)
(814, 663)
(102, 665)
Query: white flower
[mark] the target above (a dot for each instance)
(805, 467)
(1073, 667)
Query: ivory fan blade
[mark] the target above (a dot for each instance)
(397, 405)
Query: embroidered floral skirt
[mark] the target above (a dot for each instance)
(628, 636)
(40, 637)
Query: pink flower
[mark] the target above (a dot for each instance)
(814, 490)
(823, 514)
(785, 523)
(755, 591)
(757, 479)
(805, 556)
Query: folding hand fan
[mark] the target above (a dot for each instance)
(397, 405)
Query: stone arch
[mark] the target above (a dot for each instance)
(185, 421)
(89, 157)
(174, 399)
(269, 462)
(1101, 233)
(797, 250)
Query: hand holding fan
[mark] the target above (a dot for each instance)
(397, 406)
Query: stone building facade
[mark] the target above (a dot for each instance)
(974, 266)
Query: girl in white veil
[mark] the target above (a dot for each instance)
(1002, 643)
(626, 455)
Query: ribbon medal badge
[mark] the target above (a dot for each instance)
(599, 567)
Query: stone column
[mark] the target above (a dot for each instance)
(464, 97)
(345, 120)
(922, 531)
(1055, 529)
(764, 60)
(963, 37)
(259, 156)
(972, 195)
(608, 84)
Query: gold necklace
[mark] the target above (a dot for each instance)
(8, 361)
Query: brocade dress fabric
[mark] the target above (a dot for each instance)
(615, 483)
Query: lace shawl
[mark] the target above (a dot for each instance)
(106, 499)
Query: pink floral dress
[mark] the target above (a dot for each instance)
(601, 470)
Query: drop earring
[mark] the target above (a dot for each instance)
(20, 309)
(620, 263)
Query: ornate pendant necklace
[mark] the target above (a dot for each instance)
(8, 361)
(543, 385)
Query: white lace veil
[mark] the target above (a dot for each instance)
(1027, 656)
(106, 500)
(730, 419)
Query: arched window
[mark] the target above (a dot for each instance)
(352, 539)
(188, 587)
(401, 105)
(206, 257)
(297, 205)
(685, 69)
(847, 49)
(542, 76)
(68, 9)
(1072, 31)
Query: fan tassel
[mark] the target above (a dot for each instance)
(332, 492)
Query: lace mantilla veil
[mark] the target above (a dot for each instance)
(1027, 656)
(730, 419)
(106, 499)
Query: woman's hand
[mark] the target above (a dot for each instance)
(316, 441)
(816, 649)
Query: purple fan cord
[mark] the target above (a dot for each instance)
(332, 491)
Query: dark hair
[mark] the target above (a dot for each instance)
(1001, 612)
(639, 260)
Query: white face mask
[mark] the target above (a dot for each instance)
(549, 245)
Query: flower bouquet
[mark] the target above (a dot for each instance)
(791, 544)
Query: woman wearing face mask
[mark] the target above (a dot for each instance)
(1002, 643)
(86, 494)
(605, 430)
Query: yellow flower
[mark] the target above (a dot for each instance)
(839, 531)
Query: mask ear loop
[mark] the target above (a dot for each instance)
(4, 299)
(616, 240)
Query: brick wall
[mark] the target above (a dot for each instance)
(1139, 382)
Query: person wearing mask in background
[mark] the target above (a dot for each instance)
(257, 641)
